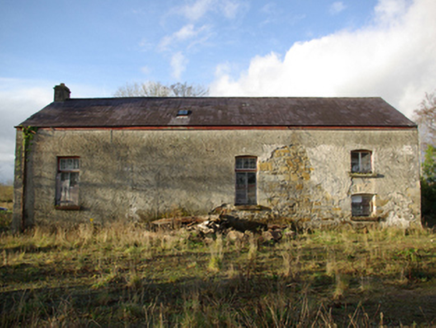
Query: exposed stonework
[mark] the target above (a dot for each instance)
(286, 179)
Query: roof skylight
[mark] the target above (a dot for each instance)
(183, 112)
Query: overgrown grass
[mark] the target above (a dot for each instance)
(5, 221)
(6, 193)
(123, 275)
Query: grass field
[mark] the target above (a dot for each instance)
(6, 197)
(123, 275)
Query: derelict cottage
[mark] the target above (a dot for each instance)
(314, 161)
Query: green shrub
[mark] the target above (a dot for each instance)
(428, 186)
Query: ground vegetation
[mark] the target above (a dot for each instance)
(6, 195)
(125, 275)
(425, 116)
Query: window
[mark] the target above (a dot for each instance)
(362, 205)
(183, 112)
(245, 169)
(361, 161)
(67, 182)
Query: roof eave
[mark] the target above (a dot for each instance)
(224, 127)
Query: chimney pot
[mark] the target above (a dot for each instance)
(61, 93)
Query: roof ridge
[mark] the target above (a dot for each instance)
(224, 97)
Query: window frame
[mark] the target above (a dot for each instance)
(72, 201)
(360, 164)
(367, 200)
(249, 171)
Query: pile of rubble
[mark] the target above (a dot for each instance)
(231, 226)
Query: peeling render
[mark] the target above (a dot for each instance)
(303, 175)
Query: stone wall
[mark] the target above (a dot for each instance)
(303, 175)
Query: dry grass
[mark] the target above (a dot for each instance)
(123, 275)
(5, 221)
(6, 194)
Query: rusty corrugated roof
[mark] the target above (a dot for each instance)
(219, 111)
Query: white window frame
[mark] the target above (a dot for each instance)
(246, 180)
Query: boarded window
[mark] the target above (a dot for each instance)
(361, 161)
(362, 205)
(245, 169)
(67, 181)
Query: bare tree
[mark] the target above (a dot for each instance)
(425, 116)
(157, 89)
(186, 90)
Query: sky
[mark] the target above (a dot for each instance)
(319, 48)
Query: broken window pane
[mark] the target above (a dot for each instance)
(355, 162)
(67, 185)
(69, 164)
(245, 189)
(365, 162)
(362, 205)
(246, 163)
(361, 161)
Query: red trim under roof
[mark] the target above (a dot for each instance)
(227, 128)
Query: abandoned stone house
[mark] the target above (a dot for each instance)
(310, 160)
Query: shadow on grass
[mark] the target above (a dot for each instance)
(250, 301)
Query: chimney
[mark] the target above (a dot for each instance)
(61, 92)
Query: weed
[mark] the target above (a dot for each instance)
(216, 254)
(341, 286)
(253, 247)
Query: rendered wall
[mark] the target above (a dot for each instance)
(303, 175)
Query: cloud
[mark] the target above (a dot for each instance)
(192, 34)
(229, 8)
(187, 32)
(389, 10)
(19, 99)
(199, 8)
(392, 57)
(178, 65)
(337, 7)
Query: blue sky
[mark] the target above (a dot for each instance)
(235, 47)
(108, 43)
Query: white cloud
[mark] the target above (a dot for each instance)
(199, 8)
(187, 32)
(178, 65)
(389, 10)
(229, 8)
(336, 7)
(19, 99)
(393, 57)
